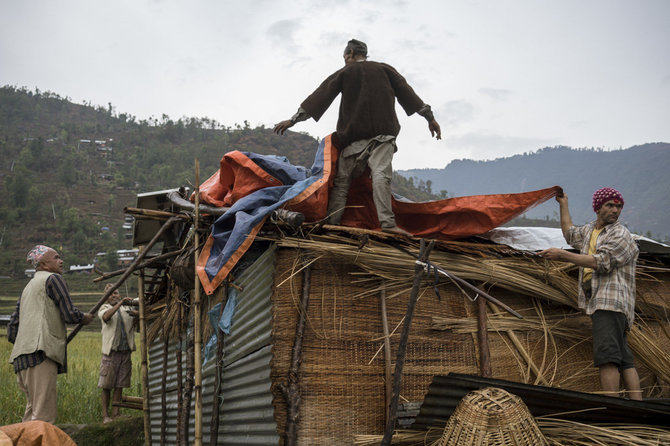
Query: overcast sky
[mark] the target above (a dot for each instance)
(503, 76)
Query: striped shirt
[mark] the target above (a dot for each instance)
(613, 280)
(56, 289)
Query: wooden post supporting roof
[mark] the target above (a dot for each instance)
(197, 313)
(483, 338)
(143, 358)
(402, 345)
(291, 390)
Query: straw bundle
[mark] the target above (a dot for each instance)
(521, 275)
(561, 325)
(557, 432)
(645, 344)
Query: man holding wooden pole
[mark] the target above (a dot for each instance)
(118, 342)
(37, 330)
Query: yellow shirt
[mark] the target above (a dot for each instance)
(588, 272)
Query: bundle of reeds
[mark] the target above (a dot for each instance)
(642, 338)
(558, 432)
(523, 275)
(566, 326)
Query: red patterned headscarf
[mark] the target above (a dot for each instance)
(36, 254)
(602, 196)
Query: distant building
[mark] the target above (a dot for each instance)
(81, 268)
(124, 257)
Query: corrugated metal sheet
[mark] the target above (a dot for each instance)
(246, 413)
(445, 392)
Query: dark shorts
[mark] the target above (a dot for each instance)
(115, 370)
(610, 343)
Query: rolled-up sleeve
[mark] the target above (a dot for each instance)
(56, 289)
(575, 236)
(615, 252)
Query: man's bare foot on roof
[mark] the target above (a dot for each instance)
(398, 231)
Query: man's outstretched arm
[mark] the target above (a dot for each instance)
(433, 126)
(281, 127)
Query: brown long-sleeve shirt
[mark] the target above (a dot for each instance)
(367, 108)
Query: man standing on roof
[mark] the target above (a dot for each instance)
(367, 126)
(37, 330)
(607, 260)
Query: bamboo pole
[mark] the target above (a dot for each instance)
(214, 431)
(159, 258)
(164, 389)
(180, 386)
(153, 213)
(483, 338)
(188, 392)
(291, 390)
(402, 345)
(388, 375)
(143, 358)
(125, 275)
(197, 310)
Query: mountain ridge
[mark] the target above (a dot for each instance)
(638, 172)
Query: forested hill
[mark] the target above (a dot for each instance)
(67, 170)
(641, 173)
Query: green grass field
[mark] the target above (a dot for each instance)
(78, 394)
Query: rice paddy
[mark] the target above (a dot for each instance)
(78, 394)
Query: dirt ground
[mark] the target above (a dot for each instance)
(121, 432)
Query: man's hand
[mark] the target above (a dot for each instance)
(127, 301)
(88, 317)
(281, 127)
(585, 260)
(434, 128)
(553, 254)
(562, 198)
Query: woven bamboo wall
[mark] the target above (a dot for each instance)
(342, 386)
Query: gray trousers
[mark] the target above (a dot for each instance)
(376, 153)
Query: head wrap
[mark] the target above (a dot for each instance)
(36, 254)
(602, 196)
(357, 47)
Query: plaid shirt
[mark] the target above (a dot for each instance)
(56, 289)
(613, 281)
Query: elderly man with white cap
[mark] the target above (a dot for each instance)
(37, 330)
(607, 261)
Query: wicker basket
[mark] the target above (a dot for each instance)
(491, 416)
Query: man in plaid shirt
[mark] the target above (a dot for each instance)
(607, 259)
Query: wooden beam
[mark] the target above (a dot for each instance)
(402, 345)
(291, 389)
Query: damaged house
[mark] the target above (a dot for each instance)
(305, 333)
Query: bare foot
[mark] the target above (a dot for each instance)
(398, 231)
(106, 420)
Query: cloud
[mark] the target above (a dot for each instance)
(283, 34)
(454, 113)
(486, 146)
(497, 94)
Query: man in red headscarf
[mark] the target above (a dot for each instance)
(37, 330)
(607, 259)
